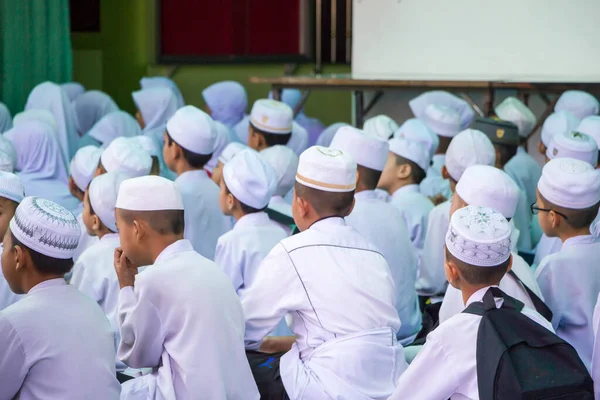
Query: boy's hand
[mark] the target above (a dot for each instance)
(126, 272)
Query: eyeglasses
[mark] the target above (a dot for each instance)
(535, 209)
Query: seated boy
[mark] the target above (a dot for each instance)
(11, 194)
(56, 342)
(338, 289)
(568, 200)
(477, 257)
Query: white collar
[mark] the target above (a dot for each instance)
(406, 189)
(193, 174)
(179, 246)
(581, 239)
(48, 283)
(478, 295)
(328, 222)
(365, 195)
(110, 236)
(254, 219)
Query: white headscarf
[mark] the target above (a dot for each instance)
(49, 96)
(90, 107)
(73, 90)
(114, 125)
(5, 119)
(162, 81)
(227, 101)
(157, 105)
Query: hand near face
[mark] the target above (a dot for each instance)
(126, 272)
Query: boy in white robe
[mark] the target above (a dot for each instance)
(56, 342)
(11, 194)
(189, 144)
(123, 155)
(181, 316)
(568, 200)
(247, 185)
(338, 289)
(382, 224)
(477, 257)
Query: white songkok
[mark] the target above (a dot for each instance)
(149, 193)
(327, 169)
(413, 151)
(272, 116)
(45, 227)
(558, 122)
(590, 126)
(470, 147)
(83, 166)
(442, 120)
(414, 129)
(443, 98)
(147, 144)
(570, 183)
(36, 115)
(578, 102)
(573, 145)
(367, 149)
(231, 150)
(11, 187)
(479, 236)
(123, 155)
(513, 110)
(486, 186)
(103, 193)
(6, 162)
(250, 179)
(380, 125)
(193, 129)
(285, 164)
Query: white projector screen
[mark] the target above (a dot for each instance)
(477, 40)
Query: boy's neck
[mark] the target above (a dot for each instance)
(237, 214)
(468, 290)
(183, 167)
(571, 233)
(361, 187)
(103, 231)
(399, 184)
(33, 280)
(159, 243)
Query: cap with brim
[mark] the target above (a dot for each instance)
(499, 132)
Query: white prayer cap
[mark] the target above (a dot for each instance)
(83, 165)
(221, 141)
(250, 179)
(46, 227)
(103, 193)
(149, 193)
(487, 186)
(573, 145)
(381, 125)
(114, 125)
(327, 135)
(570, 183)
(413, 151)
(367, 149)
(327, 169)
(558, 122)
(514, 110)
(414, 129)
(148, 144)
(479, 236)
(123, 155)
(590, 126)
(11, 187)
(231, 150)
(299, 140)
(443, 98)
(193, 129)
(6, 162)
(442, 120)
(470, 147)
(36, 115)
(580, 103)
(285, 164)
(272, 116)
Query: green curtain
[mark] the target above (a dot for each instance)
(35, 46)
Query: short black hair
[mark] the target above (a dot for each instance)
(45, 264)
(478, 275)
(273, 139)
(506, 152)
(576, 219)
(155, 170)
(368, 177)
(417, 174)
(326, 204)
(194, 159)
(246, 209)
(165, 222)
(444, 143)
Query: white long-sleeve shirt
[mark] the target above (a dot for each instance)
(415, 209)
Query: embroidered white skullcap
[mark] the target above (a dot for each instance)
(327, 135)
(149, 193)
(570, 183)
(148, 144)
(123, 155)
(103, 192)
(36, 115)
(514, 110)
(442, 120)
(327, 169)
(250, 179)
(413, 151)
(590, 126)
(573, 145)
(6, 162)
(83, 166)
(11, 187)
(46, 227)
(558, 122)
(230, 151)
(479, 236)
(284, 162)
(487, 186)
(580, 103)
(299, 140)
(414, 129)
(367, 149)
(443, 98)
(193, 129)
(381, 125)
(272, 116)
(470, 147)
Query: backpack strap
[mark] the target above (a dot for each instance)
(488, 302)
(538, 303)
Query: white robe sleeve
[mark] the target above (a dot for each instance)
(596, 354)
(228, 259)
(432, 278)
(551, 290)
(12, 360)
(141, 330)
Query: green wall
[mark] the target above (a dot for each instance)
(115, 59)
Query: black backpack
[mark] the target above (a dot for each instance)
(519, 359)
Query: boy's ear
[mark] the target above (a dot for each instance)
(303, 206)
(139, 229)
(452, 273)
(510, 263)
(555, 219)
(403, 171)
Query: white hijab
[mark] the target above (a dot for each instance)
(90, 107)
(157, 105)
(73, 90)
(5, 119)
(114, 125)
(163, 81)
